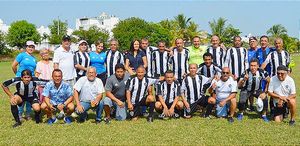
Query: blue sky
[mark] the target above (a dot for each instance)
(254, 17)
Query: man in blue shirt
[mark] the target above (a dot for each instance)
(58, 97)
(263, 52)
(252, 49)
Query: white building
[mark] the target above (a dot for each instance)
(103, 21)
(3, 27)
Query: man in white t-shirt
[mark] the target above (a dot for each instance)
(88, 92)
(282, 90)
(63, 60)
(224, 95)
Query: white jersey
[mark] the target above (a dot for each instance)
(282, 88)
(224, 89)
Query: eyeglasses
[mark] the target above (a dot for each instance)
(225, 73)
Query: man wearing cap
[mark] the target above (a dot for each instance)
(250, 85)
(282, 90)
(81, 59)
(63, 60)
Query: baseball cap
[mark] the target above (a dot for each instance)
(259, 105)
(30, 43)
(82, 41)
(66, 38)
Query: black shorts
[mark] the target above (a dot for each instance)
(137, 107)
(280, 110)
(32, 100)
(203, 101)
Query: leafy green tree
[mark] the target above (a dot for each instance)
(91, 35)
(57, 30)
(225, 32)
(183, 24)
(3, 48)
(136, 28)
(20, 32)
(277, 30)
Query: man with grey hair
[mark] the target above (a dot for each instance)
(113, 57)
(88, 92)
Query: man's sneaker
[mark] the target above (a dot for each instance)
(17, 124)
(51, 121)
(292, 122)
(21, 118)
(145, 114)
(74, 115)
(176, 116)
(61, 115)
(161, 116)
(230, 120)
(265, 118)
(68, 120)
(150, 118)
(240, 117)
(37, 121)
(97, 121)
(107, 120)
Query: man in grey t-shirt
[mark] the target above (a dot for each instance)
(115, 92)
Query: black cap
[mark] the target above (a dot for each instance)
(66, 38)
(282, 67)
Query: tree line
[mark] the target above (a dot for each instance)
(135, 28)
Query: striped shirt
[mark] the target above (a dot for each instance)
(194, 87)
(237, 60)
(218, 55)
(278, 58)
(210, 71)
(139, 88)
(160, 62)
(148, 53)
(179, 62)
(168, 91)
(83, 59)
(112, 59)
(24, 90)
(254, 81)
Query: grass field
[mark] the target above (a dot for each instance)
(195, 131)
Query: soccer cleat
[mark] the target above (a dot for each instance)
(150, 119)
(176, 116)
(161, 116)
(292, 122)
(240, 117)
(51, 121)
(68, 120)
(17, 124)
(61, 115)
(230, 120)
(265, 118)
(107, 120)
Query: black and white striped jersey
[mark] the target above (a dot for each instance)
(209, 71)
(179, 62)
(218, 55)
(148, 53)
(254, 82)
(83, 59)
(168, 91)
(237, 60)
(194, 88)
(113, 58)
(278, 58)
(22, 89)
(160, 63)
(138, 88)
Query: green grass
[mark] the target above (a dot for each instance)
(195, 131)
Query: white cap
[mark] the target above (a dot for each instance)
(259, 105)
(30, 43)
(82, 41)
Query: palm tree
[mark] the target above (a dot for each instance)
(225, 32)
(183, 24)
(277, 30)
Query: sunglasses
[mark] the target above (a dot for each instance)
(280, 73)
(225, 73)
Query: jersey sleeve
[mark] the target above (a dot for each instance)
(109, 84)
(19, 58)
(268, 59)
(234, 86)
(12, 81)
(46, 90)
(79, 84)
(56, 57)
